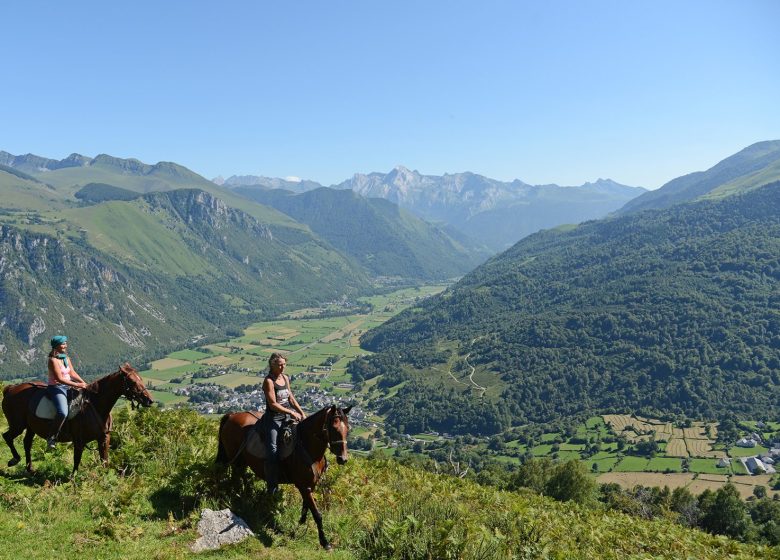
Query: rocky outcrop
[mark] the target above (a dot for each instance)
(220, 528)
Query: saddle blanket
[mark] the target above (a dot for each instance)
(256, 446)
(45, 407)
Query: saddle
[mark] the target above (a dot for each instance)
(42, 406)
(288, 437)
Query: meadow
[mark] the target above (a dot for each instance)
(318, 347)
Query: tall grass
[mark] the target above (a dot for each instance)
(146, 505)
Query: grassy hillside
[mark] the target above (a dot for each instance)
(382, 237)
(70, 175)
(670, 312)
(148, 503)
(21, 192)
(753, 167)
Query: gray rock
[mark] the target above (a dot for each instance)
(218, 528)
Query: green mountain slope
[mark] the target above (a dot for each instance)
(22, 192)
(371, 509)
(100, 192)
(753, 167)
(674, 311)
(128, 278)
(385, 239)
(68, 176)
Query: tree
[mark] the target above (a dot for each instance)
(570, 482)
(727, 514)
(532, 474)
(686, 506)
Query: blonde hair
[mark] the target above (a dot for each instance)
(275, 357)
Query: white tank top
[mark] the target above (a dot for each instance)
(65, 374)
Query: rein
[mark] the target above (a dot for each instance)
(326, 432)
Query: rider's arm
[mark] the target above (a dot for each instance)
(76, 376)
(295, 402)
(270, 398)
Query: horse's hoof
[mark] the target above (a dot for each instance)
(328, 547)
(14, 462)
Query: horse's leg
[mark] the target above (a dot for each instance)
(9, 439)
(103, 445)
(28, 440)
(78, 450)
(304, 512)
(308, 501)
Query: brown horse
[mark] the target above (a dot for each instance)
(325, 429)
(92, 423)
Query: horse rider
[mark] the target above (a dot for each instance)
(61, 376)
(280, 405)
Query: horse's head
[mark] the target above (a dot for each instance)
(336, 430)
(133, 386)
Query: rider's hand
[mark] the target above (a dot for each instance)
(297, 417)
(82, 385)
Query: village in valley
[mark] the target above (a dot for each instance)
(224, 377)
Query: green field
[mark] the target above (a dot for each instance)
(632, 464)
(747, 451)
(604, 463)
(190, 355)
(708, 466)
(664, 464)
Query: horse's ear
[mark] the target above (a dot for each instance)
(346, 410)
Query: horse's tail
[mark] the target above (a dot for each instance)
(222, 457)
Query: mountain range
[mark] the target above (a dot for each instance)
(492, 212)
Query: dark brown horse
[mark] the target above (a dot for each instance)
(325, 429)
(91, 424)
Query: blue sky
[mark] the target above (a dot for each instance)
(546, 92)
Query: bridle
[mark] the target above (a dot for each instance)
(130, 390)
(326, 427)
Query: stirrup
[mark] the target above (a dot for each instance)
(51, 443)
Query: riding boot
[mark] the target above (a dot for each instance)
(272, 476)
(56, 426)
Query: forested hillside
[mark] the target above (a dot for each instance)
(383, 238)
(674, 311)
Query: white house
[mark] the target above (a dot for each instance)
(745, 442)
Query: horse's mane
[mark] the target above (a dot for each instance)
(125, 368)
(309, 423)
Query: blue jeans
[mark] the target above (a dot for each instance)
(273, 428)
(59, 396)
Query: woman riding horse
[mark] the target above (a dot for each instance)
(62, 375)
(280, 405)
